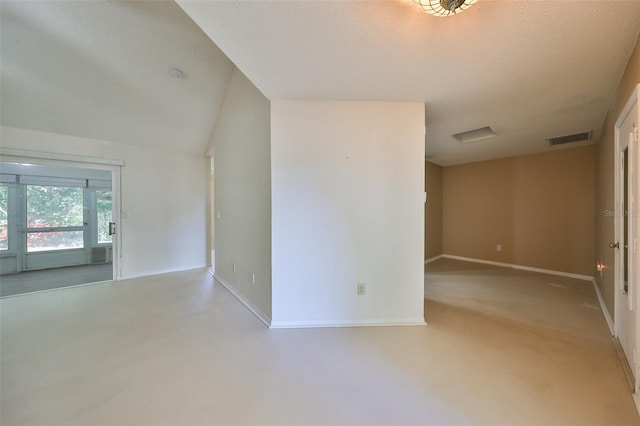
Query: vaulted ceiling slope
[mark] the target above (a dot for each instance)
(528, 69)
(101, 70)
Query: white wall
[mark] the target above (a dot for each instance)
(347, 207)
(163, 198)
(241, 152)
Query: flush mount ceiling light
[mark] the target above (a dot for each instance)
(177, 73)
(475, 135)
(444, 7)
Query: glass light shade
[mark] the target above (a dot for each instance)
(444, 7)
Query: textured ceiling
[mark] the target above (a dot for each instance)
(100, 70)
(528, 69)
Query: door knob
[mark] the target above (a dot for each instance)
(614, 245)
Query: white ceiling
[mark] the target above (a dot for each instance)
(528, 69)
(100, 70)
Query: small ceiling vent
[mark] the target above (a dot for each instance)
(577, 137)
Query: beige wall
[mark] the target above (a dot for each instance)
(242, 160)
(433, 210)
(538, 207)
(604, 180)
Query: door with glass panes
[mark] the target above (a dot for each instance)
(53, 217)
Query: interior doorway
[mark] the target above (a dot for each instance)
(626, 233)
(212, 214)
(57, 224)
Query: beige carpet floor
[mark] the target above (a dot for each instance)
(178, 349)
(546, 301)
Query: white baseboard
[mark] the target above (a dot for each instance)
(433, 259)
(313, 323)
(605, 311)
(342, 323)
(520, 267)
(253, 308)
(161, 272)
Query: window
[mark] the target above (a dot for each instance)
(103, 208)
(4, 229)
(63, 240)
(55, 218)
(54, 206)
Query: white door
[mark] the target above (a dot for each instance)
(625, 245)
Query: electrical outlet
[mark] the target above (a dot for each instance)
(361, 289)
(499, 247)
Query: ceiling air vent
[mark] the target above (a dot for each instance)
(578, 137)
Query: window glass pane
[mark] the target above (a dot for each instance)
(104, 209)
(4, 236)
(43, 241)
(52, 206)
